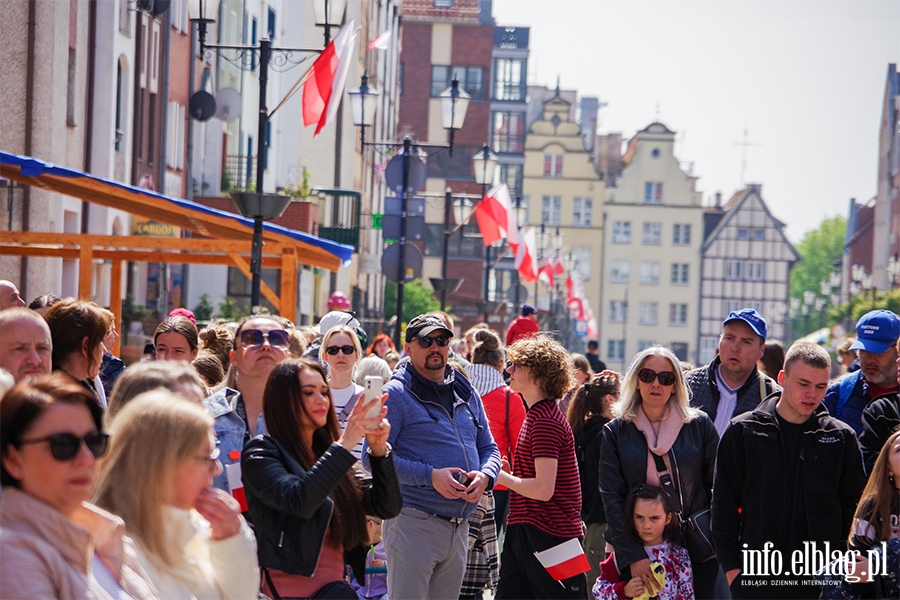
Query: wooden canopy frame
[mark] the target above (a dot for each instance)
(229, 243)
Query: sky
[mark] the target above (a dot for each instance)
(804, 78)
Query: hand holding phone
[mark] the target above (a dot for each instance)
(463, 479)
(373, 386)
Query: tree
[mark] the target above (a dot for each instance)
(819, 248)
(417, 299)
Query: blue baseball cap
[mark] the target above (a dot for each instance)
(751, 318)
(877, 331)
(528, 309)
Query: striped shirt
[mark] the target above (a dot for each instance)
(546, 434)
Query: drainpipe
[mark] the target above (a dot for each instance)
(29, 132)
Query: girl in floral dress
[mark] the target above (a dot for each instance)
(656, 526)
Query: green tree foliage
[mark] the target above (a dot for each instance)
(204, 310)
(820, 247)
(417, 299)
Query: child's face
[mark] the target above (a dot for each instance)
(373, 527)
(650, 519)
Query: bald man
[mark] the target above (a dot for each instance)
(9, 295)
(25, 343)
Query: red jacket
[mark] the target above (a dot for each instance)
(521, 327)
(505, 435)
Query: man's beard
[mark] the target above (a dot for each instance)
(434, 366)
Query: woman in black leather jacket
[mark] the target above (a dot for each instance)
(653, 416)
(307, 500)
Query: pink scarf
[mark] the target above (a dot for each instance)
(659, 444)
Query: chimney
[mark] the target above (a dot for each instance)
(719, 200)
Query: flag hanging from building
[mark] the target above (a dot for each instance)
(526, 257)
(381, 42)
(496, 218)
(325, 80)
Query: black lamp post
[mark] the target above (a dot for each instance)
(454, 104)
(256, 205)
(485, 163)
(521, 218)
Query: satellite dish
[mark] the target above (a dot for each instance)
(228, 104)
(202, 106)
(159, 7)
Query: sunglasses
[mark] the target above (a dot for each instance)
(347, 350)
(510, 366)
(65, 446)
(253, 338)
(441, 340)
(648, 375)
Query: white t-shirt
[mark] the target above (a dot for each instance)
(727, 402)
(340, 398)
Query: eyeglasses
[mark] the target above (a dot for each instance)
(441, 340)
(253, 338)
(648, 375)
(65, 446)
(212, 459)
(510, 366)
(347, 350)
(374, 520)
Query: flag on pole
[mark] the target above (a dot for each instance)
(496, 219)
(526, 257)
(550, 267)
(325, 80)
(564, 560)
(381, 42)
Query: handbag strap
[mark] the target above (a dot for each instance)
(668, 484)
(508, 438)
(271, 585)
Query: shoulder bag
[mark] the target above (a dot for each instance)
(695, 528)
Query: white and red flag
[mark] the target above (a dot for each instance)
(382, 42)
(549, 268)
(526, 256)
(564, 560)
(496, 218)
(233, 472)
(324, 84)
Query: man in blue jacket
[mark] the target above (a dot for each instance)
(445, 458)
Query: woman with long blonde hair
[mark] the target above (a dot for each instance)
(158, 476)
(341, 351)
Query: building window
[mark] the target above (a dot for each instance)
(653, 192)
(238, 287)
(618, 311)
(508, 133)
(644, 344)
(175, 136)
(151, 129)
(621, 232)
(758, 234)
(553, 165)
(743, 234)
(551, 207)
(512, 175)
(70, 88)
(581, 214)
(681, 234)
(509, 79)
(443, 3)
(648, 313)
(652, 234)
(650, 273)
(755, 270)
(615, 350)
(730, 306)
(678, 314)
(582, 256)
(680, 273)
(734, 269)
(619, 271)
(471, 79)
(271, 24)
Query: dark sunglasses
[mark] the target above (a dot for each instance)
(65, 446)
(278, 338)
(441, 340)
(347, 350)
(648, 375)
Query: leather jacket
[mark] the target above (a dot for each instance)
(623, 467)
(290, 507)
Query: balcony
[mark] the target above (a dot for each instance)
(339, 216)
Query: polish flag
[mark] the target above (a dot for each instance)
(526, 257)
(381, 42)
(549, 269)
(233, 472)
(564, 560)
(325, 80)
(496, 218)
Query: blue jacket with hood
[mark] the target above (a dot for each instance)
(425, 436)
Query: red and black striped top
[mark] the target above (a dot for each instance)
(546, 434)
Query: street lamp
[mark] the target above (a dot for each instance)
(485, 166)
(256, 205)
(454, 104)
(328, 13)
(521, 213)
(444, 284)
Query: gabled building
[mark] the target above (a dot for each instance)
(747, 261)
(564, 194)
(652, 222)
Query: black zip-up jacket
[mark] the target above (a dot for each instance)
(290, 507)
(880, 419)
(588, 442)
(623, 467)
(751, 479)
(705, 390)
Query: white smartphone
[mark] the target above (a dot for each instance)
(373, 390)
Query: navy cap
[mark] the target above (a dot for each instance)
(751, 318)
(528, 309)
(877, 331)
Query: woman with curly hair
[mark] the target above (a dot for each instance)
(545, 503)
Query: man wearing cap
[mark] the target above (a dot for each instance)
(523, 326)
(731, 384)
(877, 333)
(445, 457)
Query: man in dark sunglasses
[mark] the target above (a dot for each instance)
(445, 457)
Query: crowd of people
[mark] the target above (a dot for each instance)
(252, 459)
